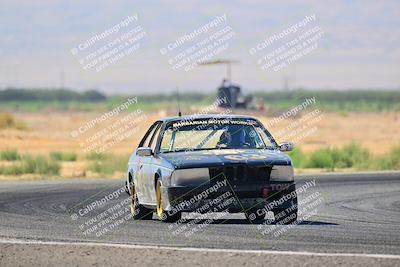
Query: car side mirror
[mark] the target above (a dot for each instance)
(286, 146)
(144, 151)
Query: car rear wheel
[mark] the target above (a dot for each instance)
(139, 212)
(163, 215)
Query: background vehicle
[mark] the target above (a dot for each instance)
(232, 92)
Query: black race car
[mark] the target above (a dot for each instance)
(217, 163)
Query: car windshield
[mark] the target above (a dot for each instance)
(212, 134)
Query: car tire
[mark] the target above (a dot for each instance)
(163, 215)
(253, 216)
(139, 212)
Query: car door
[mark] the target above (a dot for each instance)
(143, 169)
(154, 164)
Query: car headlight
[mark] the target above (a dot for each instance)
(282, 173)
(190, 177)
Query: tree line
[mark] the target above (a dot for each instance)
(15, 94)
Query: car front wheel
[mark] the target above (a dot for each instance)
(162, 214)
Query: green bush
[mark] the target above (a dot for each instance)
(353, 155)
(298, 157)
(97, 156)
(12, 170)
(63, 156)
(9, 155)
(394, 158)
(110, 165)
(40, 165)
(350, 156)
(322, 158)
(32, 165)
(391, 161)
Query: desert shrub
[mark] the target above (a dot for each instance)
(394, 158)
(9, 155)
(97, 156)
(322, 158)
(12, 170)
(110, 165)
(390, 161)
(350, 156)
(298, 157)
(40, 165)
(63, 156)
(8, 121)
(32, 165)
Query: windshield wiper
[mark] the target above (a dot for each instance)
(176, 150)
(193, 149)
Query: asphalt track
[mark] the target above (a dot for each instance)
(358, 213)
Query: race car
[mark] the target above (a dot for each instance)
(211, 163)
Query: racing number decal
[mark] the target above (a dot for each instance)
(244, 157)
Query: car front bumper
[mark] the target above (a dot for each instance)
(231, 197)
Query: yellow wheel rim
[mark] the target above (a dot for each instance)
(160, 209)
(132, 199)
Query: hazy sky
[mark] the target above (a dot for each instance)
(359, 48)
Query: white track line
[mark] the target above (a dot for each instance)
(272, 252)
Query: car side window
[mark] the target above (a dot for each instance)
(146, 139)
(153, 141)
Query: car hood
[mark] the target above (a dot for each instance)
(213, 158)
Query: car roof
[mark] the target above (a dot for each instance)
(206, 116)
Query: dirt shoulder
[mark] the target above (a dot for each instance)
(98, 255)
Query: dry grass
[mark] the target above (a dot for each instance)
(377, 132)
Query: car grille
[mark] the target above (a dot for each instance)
(241, 174)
